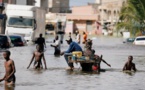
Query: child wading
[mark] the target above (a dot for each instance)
(10, 69)
(38, 55)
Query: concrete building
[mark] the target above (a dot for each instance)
(109, 13)
(109, 10)
(58, 6)
(85, 18)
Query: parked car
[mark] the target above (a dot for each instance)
(129, 40)
(18, 40)
(5, 41)
(140, 40)
(50, 29)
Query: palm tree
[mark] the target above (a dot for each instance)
(132, 16)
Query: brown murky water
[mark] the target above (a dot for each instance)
(57, 78)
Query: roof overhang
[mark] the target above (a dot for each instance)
(82, 17)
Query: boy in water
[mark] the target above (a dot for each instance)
(129, 65)
(38, 55)
(9, 68)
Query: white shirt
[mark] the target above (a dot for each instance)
(57, 43)
(78, 38)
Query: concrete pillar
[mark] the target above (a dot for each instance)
(9, 1)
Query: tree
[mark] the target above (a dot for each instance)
(132, 16)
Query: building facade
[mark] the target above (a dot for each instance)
(109, 10)
(58, 6)
(109, 13)
(85, 18)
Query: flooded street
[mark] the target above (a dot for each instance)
(57, 78)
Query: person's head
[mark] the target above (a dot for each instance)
(40, 35)
(77, 32)
(7, 54)
(130, 58)
(56, 37)
(69, 33)
(38, 48)
(88, 47)
(84, 32)
(69, 40)
(89, 44)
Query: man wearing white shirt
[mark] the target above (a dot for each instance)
(78, 37)
(56, 46)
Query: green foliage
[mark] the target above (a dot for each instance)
(132, 16)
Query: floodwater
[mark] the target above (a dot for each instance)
(56, 77)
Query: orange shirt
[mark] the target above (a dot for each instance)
(85, 37)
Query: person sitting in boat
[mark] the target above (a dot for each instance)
(88, 56)
(129, 65)
(73, 46)
(88, 50)
(98, 61)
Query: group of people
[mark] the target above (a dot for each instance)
(38, 55)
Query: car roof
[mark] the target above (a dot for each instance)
(3, 35)
(15, 35)
(140, 37)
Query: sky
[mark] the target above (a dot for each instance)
(80, 2)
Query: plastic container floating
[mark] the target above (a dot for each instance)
(77, 54)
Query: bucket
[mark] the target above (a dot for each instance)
(77, 54)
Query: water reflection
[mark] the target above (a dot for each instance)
(57, 78)
(129, 73)
(9, 87)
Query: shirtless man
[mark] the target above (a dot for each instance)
(9, 68)
(129, 65)
(38, 55)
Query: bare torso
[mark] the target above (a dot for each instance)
(129, 66)
(38, 57)
(10, 70)
(8, 67)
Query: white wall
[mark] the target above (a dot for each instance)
(98, 1)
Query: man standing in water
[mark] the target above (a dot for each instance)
(129, 65)
(9, 68)
(41, 42)
(78, 37)
(56, 46)
(38, 55)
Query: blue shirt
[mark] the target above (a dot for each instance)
(73, 47)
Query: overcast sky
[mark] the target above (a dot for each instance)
(80, 2)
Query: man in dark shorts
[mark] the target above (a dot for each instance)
(129, 65)
(10, 69)
(41, 42)
(38, 55)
